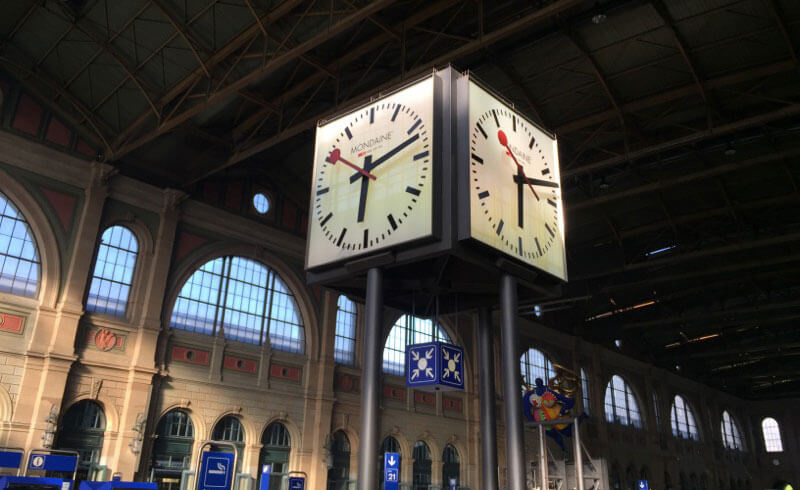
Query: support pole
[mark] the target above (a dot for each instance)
(370, 382)
(543, 477)
(487, 394)
(515, 444)
(576, 443)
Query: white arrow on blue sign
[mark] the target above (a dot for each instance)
(391, 471)
(643, 485)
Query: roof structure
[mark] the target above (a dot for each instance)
(678, 125)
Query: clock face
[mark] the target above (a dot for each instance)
(515, 189)
(373, 177)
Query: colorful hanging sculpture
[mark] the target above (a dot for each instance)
(542, 403)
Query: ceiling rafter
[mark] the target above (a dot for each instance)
(273, 64)
(525, 22)
(218, 57)
(109, 49)
(184, 32)
(776, 14)
(687, 318)
(513, 76)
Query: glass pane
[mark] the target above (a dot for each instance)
(19, 257)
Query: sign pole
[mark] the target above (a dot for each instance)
(543, 479)
(487, 394)
(576, 441)
(515, 444)
(370, 381)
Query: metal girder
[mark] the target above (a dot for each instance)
(709, 252)
(184, 32)
(218, 57)
(703, 174)
(273, 64)
(601, 79)
(511, 73)
(776, 14)
(488, 39)
(683, 319)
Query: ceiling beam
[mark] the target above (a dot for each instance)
(695, 317)
(183, 31)
(273, 64)
(777, 15)
(686, 178)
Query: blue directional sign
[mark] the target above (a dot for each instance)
(53, 462)
(297, 483)
(216, 471)
(435, 366)
(265, 472)
(643, 485)
(391, 471)
(10, 459)
(453, 483)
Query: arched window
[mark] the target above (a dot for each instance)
(408, 330)
(682, 420)
(339, 473)
(245, 299)
(731, 434)
(534, 364)
(229, 429)
(344, 347)
(422, 466)
(172, 450)
(451, 466)
(276, 446)
(19, 257)
(772, 435)
(621, 405)
(389, 445)
(82, 430)
(113, 272)
(585, 392)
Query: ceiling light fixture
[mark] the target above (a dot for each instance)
(729, 150)
(598, 14)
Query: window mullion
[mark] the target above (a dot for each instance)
(223, 291)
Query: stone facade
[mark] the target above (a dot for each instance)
(136, 368)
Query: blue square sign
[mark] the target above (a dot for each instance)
(643, 485)
(391, 471)
(435, 366)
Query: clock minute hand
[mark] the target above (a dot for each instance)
(544, 183)
(504, 141)
(385, 157)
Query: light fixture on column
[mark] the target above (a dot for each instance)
(51, 422)
(138, 428)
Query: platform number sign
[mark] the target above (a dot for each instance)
(297, 483)
(643, 485)
(391, 470)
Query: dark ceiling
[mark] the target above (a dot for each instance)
(677, 119)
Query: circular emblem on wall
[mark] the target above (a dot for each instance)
(105, 339)
(37, 462)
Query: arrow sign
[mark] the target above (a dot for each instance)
(391, 471)
(643, 485)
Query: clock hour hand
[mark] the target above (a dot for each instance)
(504, 141)
(336, 156)
(362, 199)
(544, 183)
(397, 149)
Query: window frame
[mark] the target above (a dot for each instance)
(688, 415)
(410, 334)
(526, 365)
(733, 440)
(37, 260)
(615, 418)
(777, 431)
(132, 286)
(352, 340)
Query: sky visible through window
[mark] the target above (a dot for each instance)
(772, 435)
(534, 364)
(731, 435)
(682, 420)
(345, 341)
(620, 404)
(19, 258)
(113, 272)
(245, 299)
(409, 330)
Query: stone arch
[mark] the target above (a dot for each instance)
(246, 426)
(46, 243)
(293, 280)
(106, 404)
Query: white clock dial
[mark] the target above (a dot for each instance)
(373, 177)
(515, 191)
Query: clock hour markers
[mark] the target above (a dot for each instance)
(533, 140)
(538, 247)
(514, 127)
(328, 217)
(552, 203)
(483, 195)
(348, 133)
(480, 128)
(323, 191)
(392, 222)
(500, 227)
(341, 237)
(520, 245)
(366, 237)
(422, 155)
(496, 121)
(396, 110)
(412, 128)
(412, 190)
(372, 115)
(545, 171)
(477, 158)
(549, 230)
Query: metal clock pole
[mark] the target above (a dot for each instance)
(515, 445)
(370, 381)
(486, 392)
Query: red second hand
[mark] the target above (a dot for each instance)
(336, 156)
(504, 141)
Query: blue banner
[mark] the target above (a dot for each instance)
(10, 459)
(31, 482)
(297, 483)
(265, 472)
(216, 471)
(391, 471)
(643, 485)
(53, 462)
